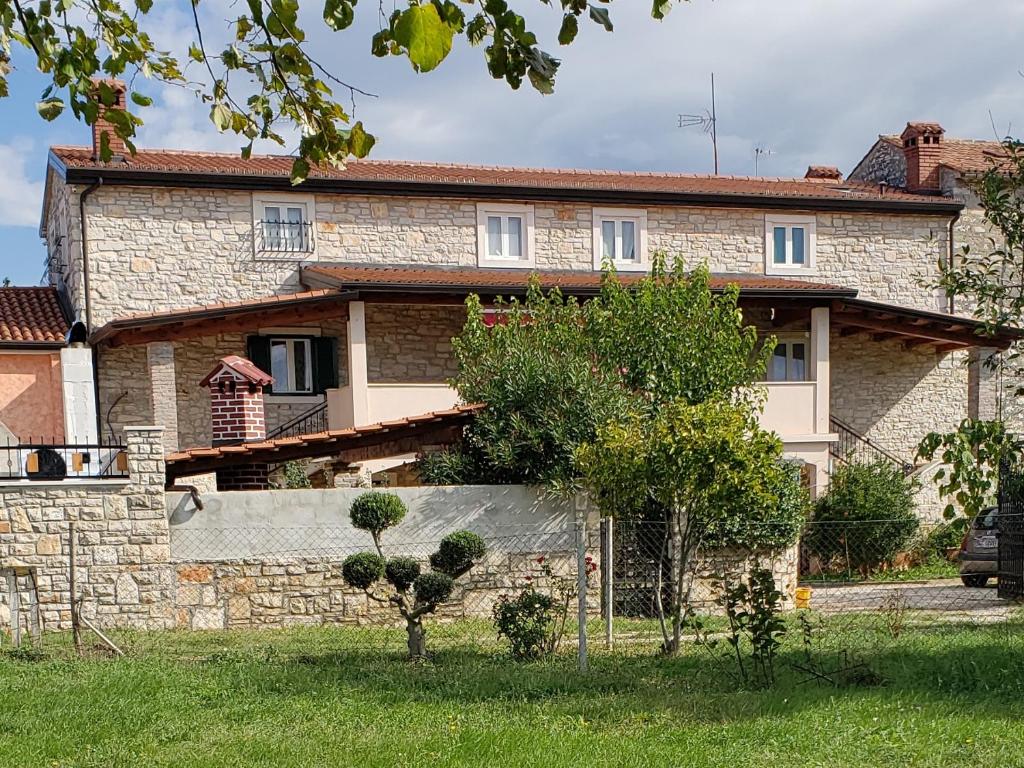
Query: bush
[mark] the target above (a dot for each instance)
(362, 570)
(401, 572)
(457, 552)
(527, 622)
(433, 588)
(295, 476)
(866, 517)
(766, 527)
(943, 538)
(375, 511)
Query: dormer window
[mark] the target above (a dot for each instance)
(789, 244)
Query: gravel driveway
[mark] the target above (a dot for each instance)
(946, 596)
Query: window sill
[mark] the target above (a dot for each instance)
(779, 271)
(506, 263)
(625, 266)
(283, 398)
(301, 256)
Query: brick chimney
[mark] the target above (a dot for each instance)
(825, 172)
(236, 400)
(922, 148)
(117, 145)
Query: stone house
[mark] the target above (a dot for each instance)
(348, 289)
(924, 160)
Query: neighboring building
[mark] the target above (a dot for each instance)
(922, 159)
(348, 289)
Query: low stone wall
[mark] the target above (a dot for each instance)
(123, 555)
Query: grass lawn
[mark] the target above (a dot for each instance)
(951, 696)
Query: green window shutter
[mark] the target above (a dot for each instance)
(258, 348)
(325, 364)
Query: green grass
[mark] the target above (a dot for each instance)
(952, 696)
(932, 568)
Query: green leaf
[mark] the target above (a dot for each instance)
(359, 141)
(661, 8)
(300, 170)
(221, 117)
(142, 101)
(339, 14)
(570, 28)
(426, 39)
(50, 109)
(600, 15)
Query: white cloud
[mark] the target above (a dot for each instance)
(20, 193)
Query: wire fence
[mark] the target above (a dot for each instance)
(608, 587)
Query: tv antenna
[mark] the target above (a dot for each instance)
(760, 150)
(706, 121)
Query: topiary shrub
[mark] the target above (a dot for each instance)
(415, 594)
(866, 517)
(362, 570)
(402, 572)
(375, 512)
(457, 553)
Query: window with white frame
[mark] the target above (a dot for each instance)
(789, 361)
(291, 365)
(789, 244)
(504, 235)
(620, 238)
(283, 225)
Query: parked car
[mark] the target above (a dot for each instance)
(979, 551)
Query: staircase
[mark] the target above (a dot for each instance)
(853, 447)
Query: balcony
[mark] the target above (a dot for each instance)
(385, 402)
(792, 411)
(284, 237)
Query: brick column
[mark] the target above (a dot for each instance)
(163, 391)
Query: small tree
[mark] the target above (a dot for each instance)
(707, 465)
(416, 594)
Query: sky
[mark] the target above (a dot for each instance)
(809, 81)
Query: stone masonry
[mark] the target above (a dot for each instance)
(124, 576)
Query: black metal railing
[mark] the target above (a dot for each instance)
(852, 447)
(42, 460)
(284, 237)
(306, 423)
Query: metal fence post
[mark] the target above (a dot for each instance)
(581, 586)
(607, 578)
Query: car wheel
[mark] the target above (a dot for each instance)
(974, 580)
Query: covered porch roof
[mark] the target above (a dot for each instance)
(374, 441)
(916, 327)
(333, 287)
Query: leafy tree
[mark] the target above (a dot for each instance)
(554, 371)
(415, 594)
(709, 466)
(265, 77)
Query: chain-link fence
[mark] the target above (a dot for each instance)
(865, 581)
(287, 577)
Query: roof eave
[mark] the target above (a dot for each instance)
(464, 190)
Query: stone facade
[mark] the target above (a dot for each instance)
(893, 395)
(407, 344)
(155, 249)
(124, 576)
(122, 370)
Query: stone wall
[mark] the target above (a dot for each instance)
(158, 249)
(123, 552)
(124, 369)
(893, 395)
(883, 162)
(409, 344)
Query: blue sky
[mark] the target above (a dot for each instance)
(814, 81)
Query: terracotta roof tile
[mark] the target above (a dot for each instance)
(31, 316)
(461, 279)
(265, 450)
(964, 155)
(396, 171)
(243, 367)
